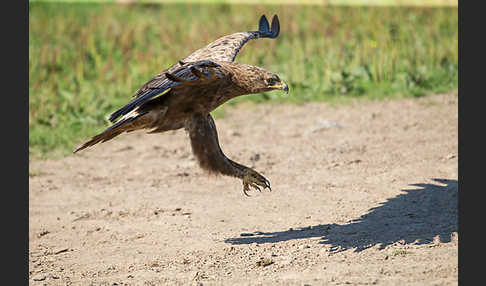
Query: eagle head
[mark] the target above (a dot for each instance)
(257, 80)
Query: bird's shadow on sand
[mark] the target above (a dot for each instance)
(416, 216)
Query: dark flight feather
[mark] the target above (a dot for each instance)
(264, 29)
(181, 75)
(263, 26)
(275, 27)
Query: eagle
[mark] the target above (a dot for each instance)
(183, 95)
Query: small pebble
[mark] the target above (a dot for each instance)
(39, 277)
(61, 250)
(264, 262)
(41, 234)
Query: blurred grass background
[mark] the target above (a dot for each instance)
(87, 59)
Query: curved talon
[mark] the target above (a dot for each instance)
(267, 185)
(256, 181)
(246, 189)
(256, 187)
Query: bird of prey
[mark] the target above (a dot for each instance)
(184, 94)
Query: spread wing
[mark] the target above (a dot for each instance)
(226, 48)
(223, 49)
(190, 73)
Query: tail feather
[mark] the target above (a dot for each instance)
(111, 132)
(102, 137)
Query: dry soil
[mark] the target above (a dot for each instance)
(363, 193)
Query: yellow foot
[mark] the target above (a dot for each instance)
(253, 179)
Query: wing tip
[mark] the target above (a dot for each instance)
(266, 30)
(114, 116)
(275, 26)
(263, 25)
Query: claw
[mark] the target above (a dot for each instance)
(256, 187)
(267, 185)
(246, 189)
(254, 180)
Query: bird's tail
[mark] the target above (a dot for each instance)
(116, 129)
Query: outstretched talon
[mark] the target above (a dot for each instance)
(254, 180)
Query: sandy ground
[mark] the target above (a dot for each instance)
(363, 193)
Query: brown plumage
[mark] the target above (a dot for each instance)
(184, 94)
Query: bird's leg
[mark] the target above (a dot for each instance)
(205, 146)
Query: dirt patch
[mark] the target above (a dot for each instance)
(363, 193)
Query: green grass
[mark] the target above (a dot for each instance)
(86, 60)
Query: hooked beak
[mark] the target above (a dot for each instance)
(282, 86)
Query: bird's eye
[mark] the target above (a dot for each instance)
(273, 80)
